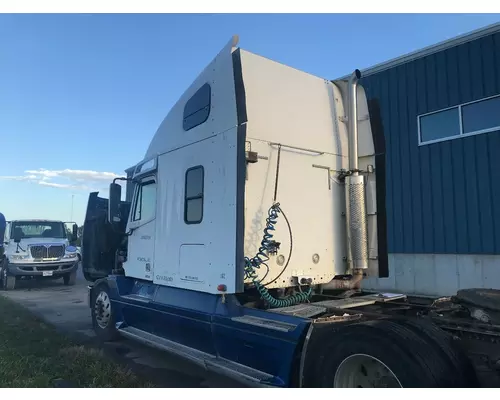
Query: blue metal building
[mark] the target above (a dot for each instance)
(438, 110)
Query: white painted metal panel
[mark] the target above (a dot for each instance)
(219, 74)
(193, 259)
(285, 105)
(140, 257)
(297, 111)
(198, 256)
(314, 213)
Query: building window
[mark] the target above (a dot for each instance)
(197, 108)
(145, 203)
(481, 116)
(193, 199)
(467, 119)
(440, 125)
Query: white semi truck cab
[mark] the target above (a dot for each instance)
(246, 233)
(38, 248)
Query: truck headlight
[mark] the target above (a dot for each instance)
(70, 255)
(18, 257)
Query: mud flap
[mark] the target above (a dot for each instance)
(318, 335)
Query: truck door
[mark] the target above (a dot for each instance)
(141, 231)
(99, 240)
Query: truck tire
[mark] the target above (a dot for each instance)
(382, 354)
(70, 279)
(103, 319)
(8, 281)
(443, 343)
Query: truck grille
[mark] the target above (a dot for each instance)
(40, 251)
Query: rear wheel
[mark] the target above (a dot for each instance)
(103, 319)
(383, 354)
(444, 343)
(364, 371)
(70, 279)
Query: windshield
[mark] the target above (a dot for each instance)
(37, 229)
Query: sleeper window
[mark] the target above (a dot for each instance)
(193, 200)
(197, 108)
(145, 205)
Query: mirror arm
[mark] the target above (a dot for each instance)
(122, 179)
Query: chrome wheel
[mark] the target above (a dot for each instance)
(102, 310)
(364, 371)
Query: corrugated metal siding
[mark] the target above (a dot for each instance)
(443, 197)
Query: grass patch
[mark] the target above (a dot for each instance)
(34, 354)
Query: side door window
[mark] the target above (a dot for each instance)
(145, 203)
(142, 226)
(193, 196)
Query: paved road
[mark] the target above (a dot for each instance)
(66, 308)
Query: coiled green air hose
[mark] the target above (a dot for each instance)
(253, 264)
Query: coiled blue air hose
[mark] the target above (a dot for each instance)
(261, 258)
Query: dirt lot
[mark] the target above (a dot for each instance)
(66, 309)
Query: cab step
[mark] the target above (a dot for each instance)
(239, 372)
(161, 343)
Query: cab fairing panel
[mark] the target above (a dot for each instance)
(301, 112)
(306, 115)
(219, 74)
(285, 105)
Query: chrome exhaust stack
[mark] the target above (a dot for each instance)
(356, 218)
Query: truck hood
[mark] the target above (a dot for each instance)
(12, 246)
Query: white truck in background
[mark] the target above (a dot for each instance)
(37, 248)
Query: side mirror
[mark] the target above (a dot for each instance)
(18, 235)
(74, 235)
(115, 197)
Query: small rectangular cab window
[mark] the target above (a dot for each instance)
(193, 199)
(145, 203)
(479, 116)
(197, 108)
